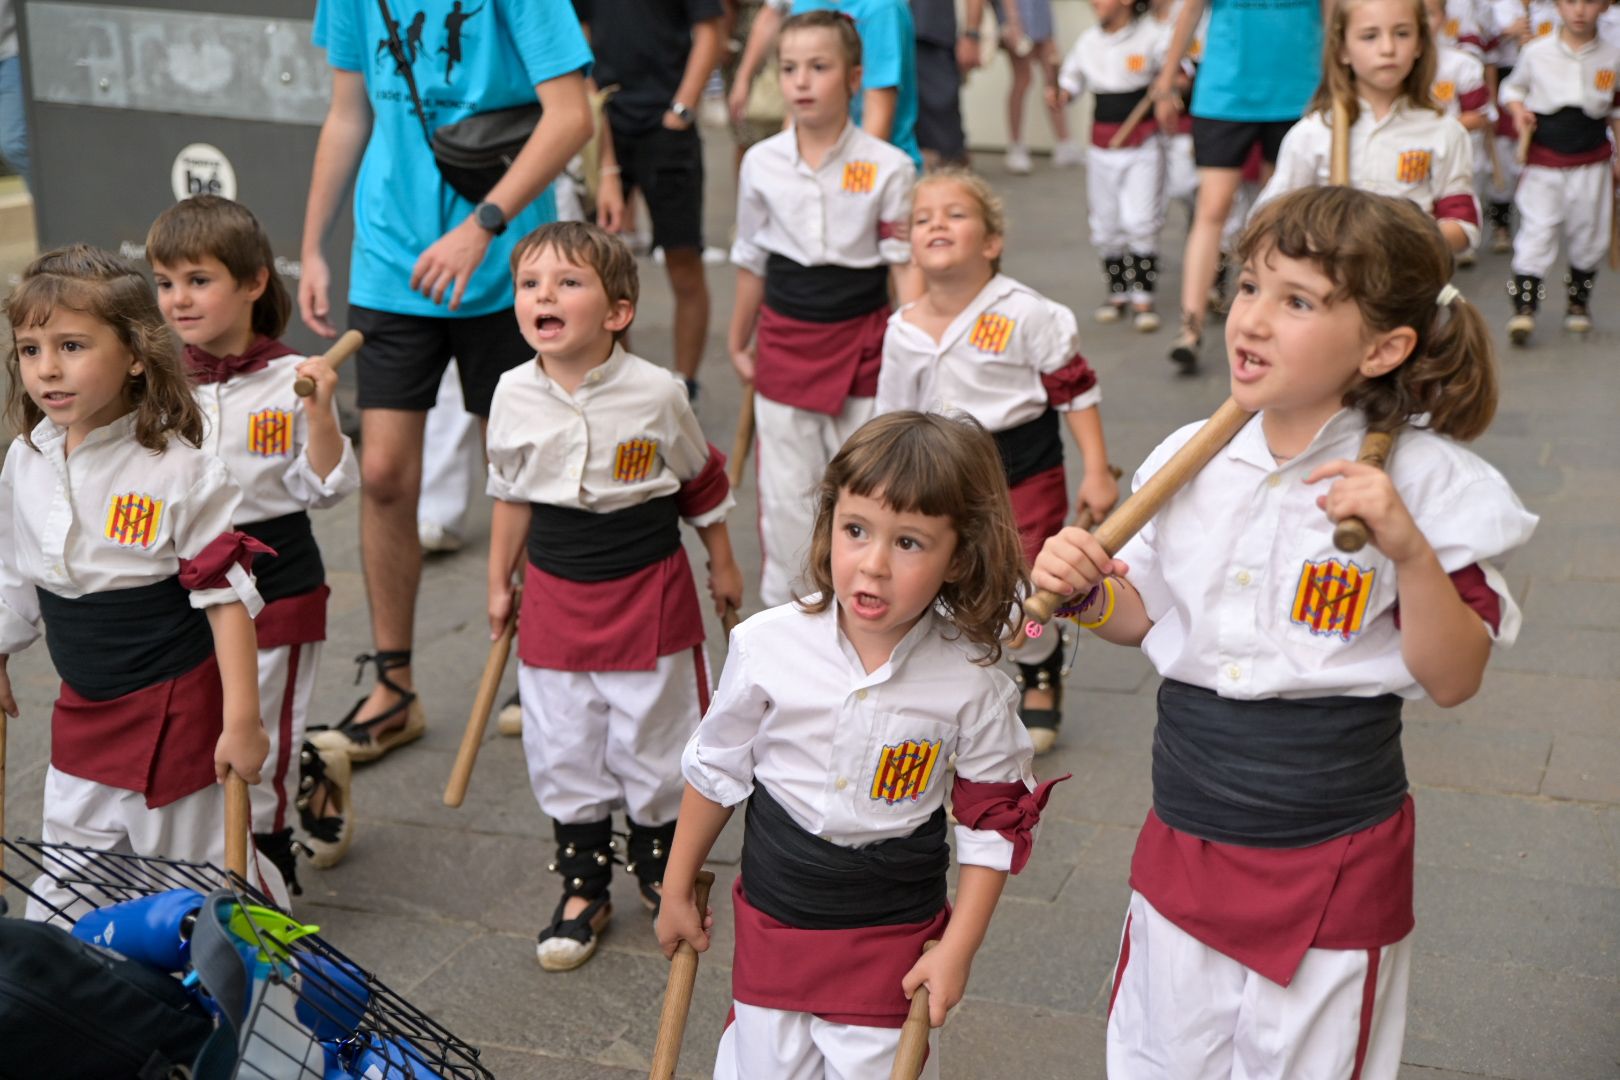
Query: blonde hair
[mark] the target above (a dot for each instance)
(211, 226)
(1339, 81)
(992, 211)
(585, 244)
(941, 466)
(1390, 258)
(101, 285)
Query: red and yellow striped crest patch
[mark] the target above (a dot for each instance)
(1135, 63)
(634, 458)
(1544, 27)
(1452, 27)
(1445, 91)
(1413, 166)
(903, 770)
(270, 432)
(1332, 598)
(860, 177)
(1604, 79)
(133, 520)
(991, 333)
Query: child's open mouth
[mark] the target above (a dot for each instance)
(548, 324)
(1248, 366)
(868, 606)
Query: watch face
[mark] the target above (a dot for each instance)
(490, 217)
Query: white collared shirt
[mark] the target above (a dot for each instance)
(1459, 83)
(854, 757)
(1413, 152)
(626, 434)
(1115, 63)
(1498, 15)
(259, 428)
(1462, 29)
(111, 515)
(988, 363)
(1248, 595)
(1551, 76)
(845, 213)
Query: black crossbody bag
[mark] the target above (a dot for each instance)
(473, 153)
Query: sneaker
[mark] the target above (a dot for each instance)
(1067, 154)
(1520, 327)
(509, 721)
(1109, 312)
(1577, 320)
(1184, 350)
(437, 539)
(1018, 162)
(1145, 319)
(1465, 259)
(1501, 240)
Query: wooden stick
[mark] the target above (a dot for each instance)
(483, 702)
(1135, 117)
(913, 1049)
(1350, 535)
(1139, 509)
(729, 621)
(744, 442)
(1498, 177)
(678, 991)
(236, 825)
(1522, 154)
(346, 346)
(1339, 160)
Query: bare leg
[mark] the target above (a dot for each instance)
(1216, 187)
(1021, 78)
(1046, 53)
(686, 280)
(391, 481)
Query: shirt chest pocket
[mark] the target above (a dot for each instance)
(1326, 601)
(904, 762)
(136, 520)
(1414, 168)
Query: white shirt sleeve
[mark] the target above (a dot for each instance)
(894, 208)
(205, 514)
(993, 748)
(1296, 167)
(504, 454)
(316, 492)
(719, 758)
(752, 214)
(1071, 77)
(19, 605)
(1458, 178)
(688, 453)
(1516, 87)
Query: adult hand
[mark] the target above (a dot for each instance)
(448, 264)
(610, 200)
(673, 122)
(968, 54)
(314, 306)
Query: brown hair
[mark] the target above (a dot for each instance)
(208, 225)
(1339, 82)
(842, 26)
(942, 466)
(101, 285)
(1389, 257)
(586, 245)
(992, 211)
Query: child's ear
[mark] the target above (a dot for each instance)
(854, 80)
(993, 246)
(260, 282)
(1388, 351)
(620, 316)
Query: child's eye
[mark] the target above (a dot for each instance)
(27, 350)
(70, 346)
(1247, 288)
(198, 282)
(570, 281)
(1299, 302)
(906, 543)
(527, 283)
(853, 531)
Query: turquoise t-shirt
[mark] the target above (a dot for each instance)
(888, 59)
(1262, 60)
(468, 56)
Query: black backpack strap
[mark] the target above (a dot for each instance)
(224, 978)
(396, 49)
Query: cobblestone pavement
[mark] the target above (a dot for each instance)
(1517, 968)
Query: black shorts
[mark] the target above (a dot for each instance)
(403, 359)
(1225, 144)
(939, 104)
(667, 167)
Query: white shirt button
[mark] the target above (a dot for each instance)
(1233, 672)
(1273, 480)
(573, 472)
(1243, 577)
(842, 783)
(860, 695)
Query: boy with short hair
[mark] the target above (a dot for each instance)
(594, 457)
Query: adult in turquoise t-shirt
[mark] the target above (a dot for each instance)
(428, 274)
(1261, 62)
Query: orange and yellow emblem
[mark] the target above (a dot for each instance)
(1332, 597)
(1135, 63)
(903, 770)
(634, 458)
(1413, 166)
(270, 432)
(1604, 79)
(133, 520)
(860, 177)
(1445, 90)
(991, 333)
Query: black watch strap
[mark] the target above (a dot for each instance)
(490, 218)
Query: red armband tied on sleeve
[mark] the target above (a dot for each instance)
(1456, 208)
(1010, 809)
(1069, 381)
(707, 489)
(211, 567)
(1477, 593)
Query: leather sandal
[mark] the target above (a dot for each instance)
(568, 943)
(281, 850)
(371, 738)
(331, 831)
(1184, 350)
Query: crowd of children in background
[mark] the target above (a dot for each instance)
(910, 399)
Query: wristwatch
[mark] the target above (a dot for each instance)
(682, 113)
(490, 218)
(971, 35)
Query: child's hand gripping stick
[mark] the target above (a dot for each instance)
(236, 825)
(488, 686)
(346, 346)
(913, 1049)
(678, 991)
(1350, 535)
(1139, 509)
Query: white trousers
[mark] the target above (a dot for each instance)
(793, 449)
(1125, 194)
(104, 818)
(799, 1046)
(286, 686)
(1180, 171)
(1577, 202)
(1182, 1011)
(1507, 155)
(599, 741)
(449, 452)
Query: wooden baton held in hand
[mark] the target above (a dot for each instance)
(1137, 113)
(1139, 509)
(236, 825)
(483, 702)
(678, 991)
(346, 346)
(1339, 159)
(744, 442)
(1350, 535)
(913, 1050)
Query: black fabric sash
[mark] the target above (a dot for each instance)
(109, 644)
(1275, 773)
(1570, 131)
(1030, 448)
(579, 545)
(296, 567)
(1116, 108)
(824, 294)
(814, 884)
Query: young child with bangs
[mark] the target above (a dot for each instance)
(595, 457)
(841, 754)
(218, 289)
(980, 342)
(1270, 922)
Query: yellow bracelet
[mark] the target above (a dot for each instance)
(1107, 608)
